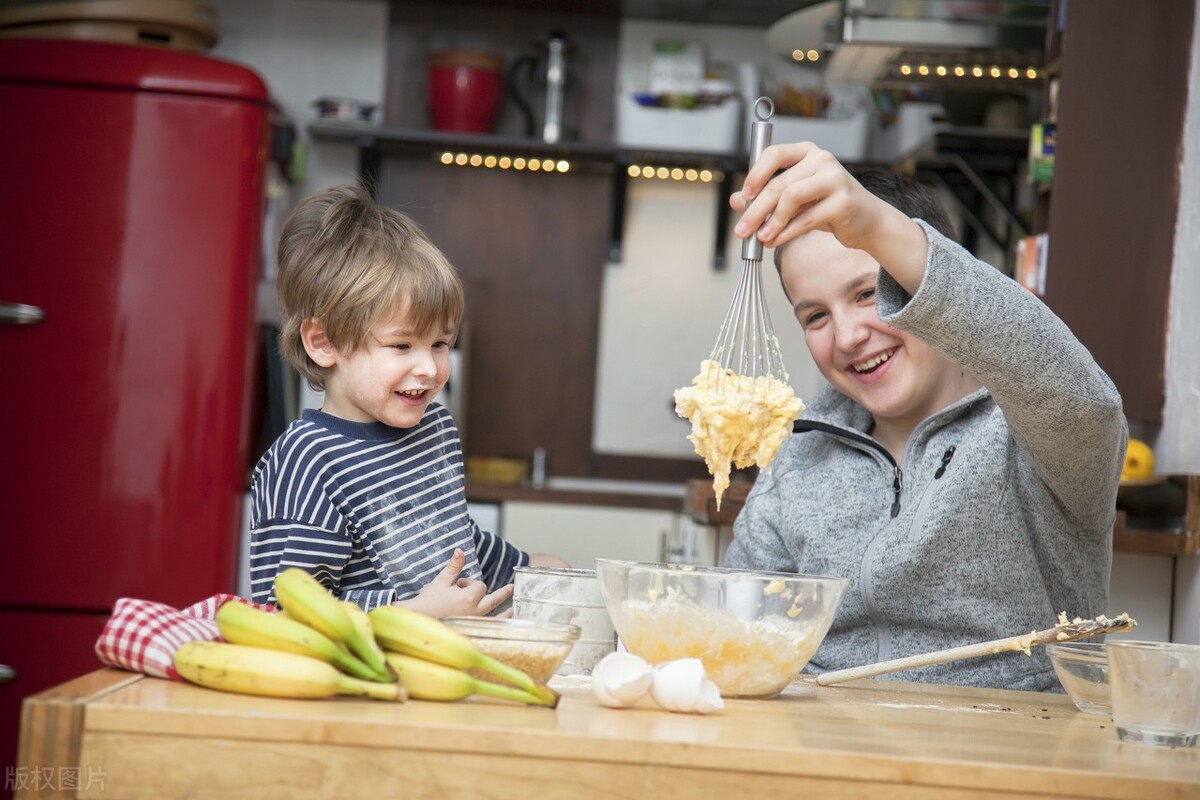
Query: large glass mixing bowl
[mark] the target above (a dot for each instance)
(755, 631)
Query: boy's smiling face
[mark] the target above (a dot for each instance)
(392, 377)
(898, 378)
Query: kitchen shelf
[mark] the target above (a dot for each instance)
(977, 165)
(1167, 542)
(982, 167)
(1162, 519)
(373, 142)
(1148, 533)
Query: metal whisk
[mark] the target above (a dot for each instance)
(746, 343)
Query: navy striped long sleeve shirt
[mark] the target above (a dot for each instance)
(374, 512)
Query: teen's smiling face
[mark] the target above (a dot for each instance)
(392, 377)
(898, 378)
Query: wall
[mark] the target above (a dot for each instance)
(305, 49)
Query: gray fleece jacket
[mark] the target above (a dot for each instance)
(1001, 513)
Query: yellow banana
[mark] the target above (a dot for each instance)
(402, 630)
(362, 624)
(271, 673)
(282, 612)
(426, 680)
(308, 601)
(243, 624)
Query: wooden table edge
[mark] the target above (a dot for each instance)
(52, 721)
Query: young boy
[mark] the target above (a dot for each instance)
(961, 468)
(368, 493)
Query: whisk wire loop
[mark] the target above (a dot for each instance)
(746, 343)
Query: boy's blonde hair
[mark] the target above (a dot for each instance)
(347, 261)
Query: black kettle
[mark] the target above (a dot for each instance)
(542, 72)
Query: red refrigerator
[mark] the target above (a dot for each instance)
(131, 211)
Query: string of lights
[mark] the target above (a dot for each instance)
(550, 165)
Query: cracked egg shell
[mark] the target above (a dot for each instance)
(621, 679)
(683, 685)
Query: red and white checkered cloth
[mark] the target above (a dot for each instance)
(142, 635)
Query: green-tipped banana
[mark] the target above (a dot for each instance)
(402, 630)
(272, 673)
(366, 634)
(242, 624)
(311, 603)
(426, 680)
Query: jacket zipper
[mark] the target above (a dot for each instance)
(946, 456)
(883, 642)
(800, 426)
(868, 595)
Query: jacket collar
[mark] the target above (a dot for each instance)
(834, 408)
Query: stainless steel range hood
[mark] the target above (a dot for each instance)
(997, 44)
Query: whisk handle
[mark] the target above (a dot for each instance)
(760, 139)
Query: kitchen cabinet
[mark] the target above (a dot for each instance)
(120, 731)
(1112, 220)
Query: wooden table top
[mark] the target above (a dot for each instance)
(144, 737)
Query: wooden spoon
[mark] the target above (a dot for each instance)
(1059, 633)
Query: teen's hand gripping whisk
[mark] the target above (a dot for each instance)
(740, 405)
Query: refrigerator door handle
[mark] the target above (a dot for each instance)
(7, 673)
(20, 314)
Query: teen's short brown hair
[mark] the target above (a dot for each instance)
(347, 261)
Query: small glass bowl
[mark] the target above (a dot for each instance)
(535, 647)
(1082, 669)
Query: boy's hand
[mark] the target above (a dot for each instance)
(812, 191)
(450, 595)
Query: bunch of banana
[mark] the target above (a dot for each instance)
(318, 646)
(272, 673)
(292, 654)
(307, 601)
(404, 632)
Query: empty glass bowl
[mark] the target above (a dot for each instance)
(1082, 669)
(572, 596)
(753, 630)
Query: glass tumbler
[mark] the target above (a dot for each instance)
(1155, 692)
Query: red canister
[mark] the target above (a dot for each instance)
(465, 87)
